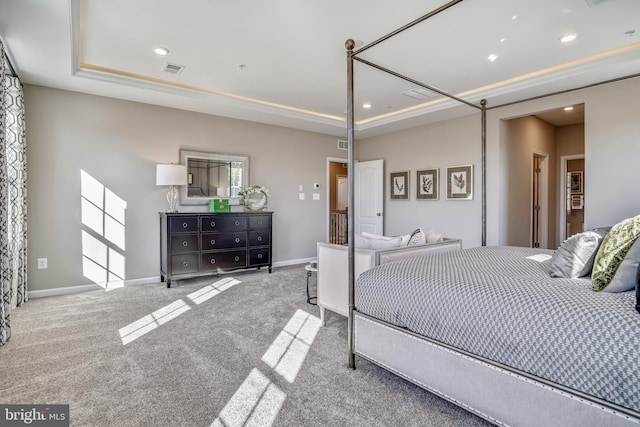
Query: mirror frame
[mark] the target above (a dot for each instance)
(185, 155)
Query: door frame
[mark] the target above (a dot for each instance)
(562, 212)
(543, 218)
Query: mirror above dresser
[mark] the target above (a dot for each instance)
(212, 175)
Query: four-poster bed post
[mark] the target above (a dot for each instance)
(351, 57)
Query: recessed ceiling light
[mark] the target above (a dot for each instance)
(502, 40)
(568, 38)
(492, 57)
(569, 108)
(366, 105)
(514, 17)
(160, 50)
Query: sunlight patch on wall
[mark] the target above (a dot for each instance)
(103, 234)
(257, 402)
(142, 326)
(209, 291)
(290, 348)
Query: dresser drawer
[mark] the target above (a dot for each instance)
(182, 243)
(226, 260)
(259, 221)
(259, 238)
(187, 263)
(183, 224)
(224, 222)
(259, 256)
(211, 241)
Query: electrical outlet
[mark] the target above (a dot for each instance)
(42, 263)
(316, 196)
(301, 196)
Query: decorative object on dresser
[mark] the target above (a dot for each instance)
(254, 198)
(198, 244)
(173, 176)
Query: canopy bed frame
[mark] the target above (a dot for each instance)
(498, 393)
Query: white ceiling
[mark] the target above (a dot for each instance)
(283, 62)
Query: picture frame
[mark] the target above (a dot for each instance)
(399, 185)
(576, 180)
(427, 184)
(460, 182)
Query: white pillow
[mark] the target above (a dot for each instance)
(574, 258)
(434, 237)
(417, 238)
(375, 236)
(380, 244)
(625, 277)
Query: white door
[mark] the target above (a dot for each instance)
(368, 197)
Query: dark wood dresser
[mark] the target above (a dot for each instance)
(197, 244)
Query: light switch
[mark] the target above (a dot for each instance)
(301, 188)
(316, 196)
(301, 195)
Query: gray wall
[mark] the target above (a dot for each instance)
(612, 150)
(119, 143)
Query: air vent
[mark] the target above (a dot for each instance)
(172, 68)
(343, 145)
(594, 3)
(420, 93)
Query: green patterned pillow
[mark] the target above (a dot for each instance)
(612, 251)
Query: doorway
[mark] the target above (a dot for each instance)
(572, 192)
(539, 200)
(337, 200)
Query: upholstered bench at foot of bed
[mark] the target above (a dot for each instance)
(333, 268)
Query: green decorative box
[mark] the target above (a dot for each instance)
(219, 205)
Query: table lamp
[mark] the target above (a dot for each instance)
(171, 175)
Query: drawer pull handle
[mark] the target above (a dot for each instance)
(185, 225)
(185, 243)
(259, 222)
(259, 256)
(237, 258)
(213, 261)
(185, 264)
(259, 238)
(237, 240)
(237, 223)
(213, 242)
(213, 223)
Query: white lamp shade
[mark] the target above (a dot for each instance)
(171, 175)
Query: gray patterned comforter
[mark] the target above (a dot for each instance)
(496, 303)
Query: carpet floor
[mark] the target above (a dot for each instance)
(240, 349)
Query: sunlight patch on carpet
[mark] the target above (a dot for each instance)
(210, 291)
(257, 402)
(290, 348)
(142, 326)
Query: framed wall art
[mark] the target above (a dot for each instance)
(460, 182)
(577, 180)
(427, 184)
(399, 185)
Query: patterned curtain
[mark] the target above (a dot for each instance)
(13, 197)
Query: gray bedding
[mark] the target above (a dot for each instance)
(496, 303)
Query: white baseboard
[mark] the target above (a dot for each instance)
(90, 287)
(134, 282)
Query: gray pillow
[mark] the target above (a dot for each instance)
(625, 277)
(574, 258)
